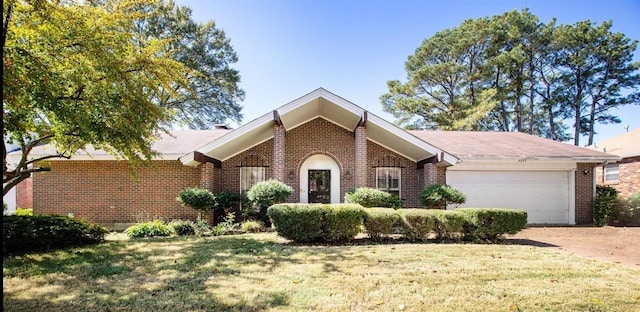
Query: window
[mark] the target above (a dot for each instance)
(250, 176)
(388, 179)
(611, 173)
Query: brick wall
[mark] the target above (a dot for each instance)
(105, 193)
(629, 176)
(320, 136)
(24, 194)
(584, 193)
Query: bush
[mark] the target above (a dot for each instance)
(604, 204)
(438, 196)
(417, 224)
(182, 227)
(492, 223)
(379, 222)
(297, 222)
(148, 229)
(266, 193)
(47, 232)
(627, 211)
(342, 222)
(448, 224)
(199, 199)
(223, 202)
(252, 226)
(225, 227)
(368, 197)
(24, 211)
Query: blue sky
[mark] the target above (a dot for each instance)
(287, 48)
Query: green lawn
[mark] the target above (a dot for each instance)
(262, 272)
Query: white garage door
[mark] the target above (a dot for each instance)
(544, 195)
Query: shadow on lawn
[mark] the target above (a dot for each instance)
(162, 274)
(528, 242)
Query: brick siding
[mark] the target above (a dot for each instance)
(584, 193)
(24, 194)
(105, 193)
(629, 176)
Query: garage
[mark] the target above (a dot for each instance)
(544, 195)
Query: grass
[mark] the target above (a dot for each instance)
(262, 272)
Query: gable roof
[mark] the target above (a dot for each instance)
(624, 145)
(319, 103)
(505, 145)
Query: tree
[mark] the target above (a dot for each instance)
(445, 87)
(212, 94)
(75, 73)
(112, 73)
(598, 73)
(512, 73)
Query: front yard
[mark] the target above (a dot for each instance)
(262, 272)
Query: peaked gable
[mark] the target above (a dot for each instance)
(319, 103)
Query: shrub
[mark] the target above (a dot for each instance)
(148, 229)
(266, 193)
(47, 232)
(627, 211)
(438, 196)
(225, 227)
(202, 228)
(368, 197)
(342, 222)
(223, 202)
(252, 226)
(448, 224)
(182, 227)
(379, 222)
(24, 211)
(297, 222)
(417, 224)
(199, 199)
(492, 223)
(604, 204)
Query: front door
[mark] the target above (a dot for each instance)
(320, 186)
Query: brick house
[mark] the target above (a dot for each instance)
(623, 175)
(323, 145)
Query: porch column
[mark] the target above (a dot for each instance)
(278, 152)
(361, 156)
(208, 177)
(430, 172)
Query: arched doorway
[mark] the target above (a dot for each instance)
(320, 180)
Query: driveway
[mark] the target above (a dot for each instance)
(614, 244)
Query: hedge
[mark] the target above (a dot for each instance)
(334, 223)
(313, 222)
(36, 233)
(379, 222)
(492, 223)
(297, 222)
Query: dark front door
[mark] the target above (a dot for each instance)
(320, 186)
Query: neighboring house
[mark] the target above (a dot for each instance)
(323, 145)
(22, 194)
(624, 175)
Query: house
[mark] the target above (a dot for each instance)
(323, 145)
(623, 175)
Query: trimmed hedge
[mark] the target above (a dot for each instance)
(379, 222)
(47, 232)
(492, 223)
(313, 222)
(438, 196)
(342, 222)
(417, 224)
(297, 222)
